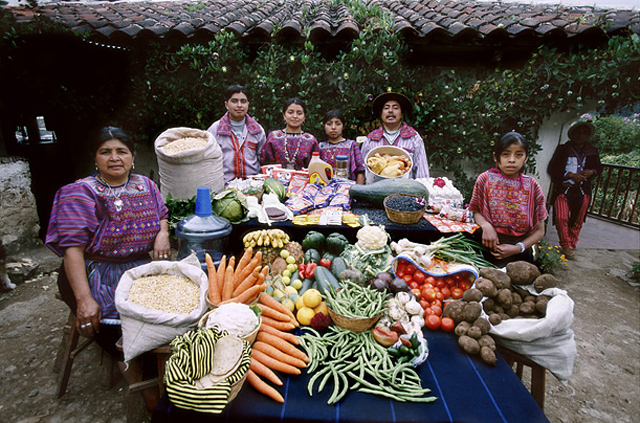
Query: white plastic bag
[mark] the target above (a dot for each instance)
(548, 341)
(145, 329)
(182, 173)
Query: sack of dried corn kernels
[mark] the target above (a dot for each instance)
(159, 301)
(188, 158)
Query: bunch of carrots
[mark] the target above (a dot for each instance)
(275, 348)
(236, 284)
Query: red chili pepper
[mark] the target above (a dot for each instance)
(302, 271)
(310, 270)
(325, 262)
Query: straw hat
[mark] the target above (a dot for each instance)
(379, 102)
(576, 125)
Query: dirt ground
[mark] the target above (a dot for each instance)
(605, 386)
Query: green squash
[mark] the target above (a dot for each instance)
(376, 192)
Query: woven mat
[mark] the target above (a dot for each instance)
(446, 225)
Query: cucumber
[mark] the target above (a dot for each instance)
(338, 265)
(376, 192)
(306, 284)
(325, 277)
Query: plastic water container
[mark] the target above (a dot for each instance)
(203, 232)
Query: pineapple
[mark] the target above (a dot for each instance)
(295, 249)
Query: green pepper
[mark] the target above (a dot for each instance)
(415, 343)
(336, 243)
(393, 352)
(313, 240)
(311, 256)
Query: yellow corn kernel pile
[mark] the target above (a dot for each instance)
(168, 293)
(182, 144)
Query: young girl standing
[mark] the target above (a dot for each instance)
(290, 147)
(508, 205)
(337, 145)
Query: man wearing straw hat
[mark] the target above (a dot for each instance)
(394, 131)
(572, 167)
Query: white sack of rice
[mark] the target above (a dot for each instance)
(168, 293)
(182, 144)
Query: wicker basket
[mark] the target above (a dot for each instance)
(404, 217)
(353, 324)
(249, 337)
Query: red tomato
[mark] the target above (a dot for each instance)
(408, 278)
(456, 293)
(419, 276)
(428, 310)
(446, 292)
(400, 272)
(430, 279)
(416, 292)
(427, 285)
(437, 310)
(424, 304)
(429, 294)
(449, 281)
(460, 276)
(447, 324)
(440, 283)
(414, 285)
(465, 284)
(432, 321)
(439, 296)
(410, 269)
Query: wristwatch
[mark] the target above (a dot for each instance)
(522, 246)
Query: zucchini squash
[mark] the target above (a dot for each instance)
(376, 192)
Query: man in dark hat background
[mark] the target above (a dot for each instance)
(394, 131)
(572, 167)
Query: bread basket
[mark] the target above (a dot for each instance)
(353, 324)
(403, 217)
(250, 337)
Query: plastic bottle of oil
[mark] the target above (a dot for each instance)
(320, 172)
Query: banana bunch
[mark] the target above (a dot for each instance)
(276, 238)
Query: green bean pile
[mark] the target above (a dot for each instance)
(355, 361)
(355, 301)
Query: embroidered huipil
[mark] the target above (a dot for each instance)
(84, 215)
(409, 140)
(289, 149)
(513, 206)
(240, 157)
(349, 148)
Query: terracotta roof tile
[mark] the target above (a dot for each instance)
(457, 19)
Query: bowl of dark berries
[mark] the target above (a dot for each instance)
(406, 209)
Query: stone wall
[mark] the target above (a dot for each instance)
(19, 223)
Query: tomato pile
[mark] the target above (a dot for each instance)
(433, 291)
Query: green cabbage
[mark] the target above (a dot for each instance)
(231, 204)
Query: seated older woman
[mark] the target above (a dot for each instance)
(104, 225)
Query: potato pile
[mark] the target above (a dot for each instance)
(504, 298)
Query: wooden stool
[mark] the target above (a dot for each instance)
(538, 373)
(135, 407)
(68, 351)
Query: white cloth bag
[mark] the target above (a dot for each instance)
(181, 174)
(145, 329)
(548, 341)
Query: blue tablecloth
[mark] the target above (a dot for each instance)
(467, 389)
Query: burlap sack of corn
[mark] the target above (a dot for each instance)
(187, 159)
(145, 328)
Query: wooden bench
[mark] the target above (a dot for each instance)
(538, 373)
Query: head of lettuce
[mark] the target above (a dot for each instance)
(230, 204)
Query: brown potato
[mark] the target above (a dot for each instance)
(469, 345)
(498, 277)
(472, 294)
(545, 281)
(488, 356)
(472, 311)
(504, 298)
(487, 341)
(483, 324)
(495, 319)
(487, 287)
(474, 332)
(488, 304)
(516, 299)
(527, 307)
(462, 328)
(514, 310)
(522, 272)
(454, 310)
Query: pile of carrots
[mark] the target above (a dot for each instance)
(275, 348)
(236, 284)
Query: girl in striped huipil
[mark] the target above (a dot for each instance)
(509, 205)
